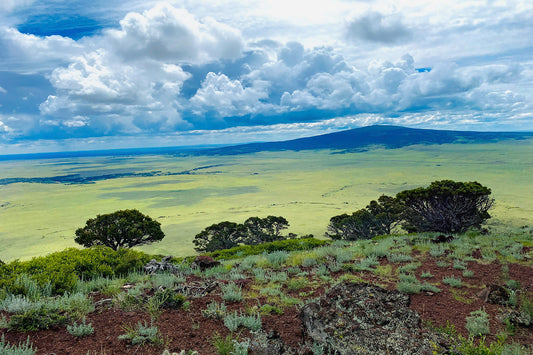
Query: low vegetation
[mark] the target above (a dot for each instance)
(254, 285)
(253, 275)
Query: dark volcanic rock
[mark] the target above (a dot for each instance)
(205, 262)
(495, 294)
(365, 319)
(517, 317)
(442, 239)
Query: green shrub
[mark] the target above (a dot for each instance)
(17, 304)
(277, 258)
(297, 283)
(233, 321)
(62, 270)
(477, 323)
(365, 264)
(398, 257)
(25, 348)
(167, 280)
(459, 265)
(231, 292)
(36, 319)
(80, 330)
(426, 274)
(4, 323)
(437, 250)
(280, 245)
(309, 262)
(271, 290)
(260, 274)
(408, 268)
(452, 281)
(215, 310)
(169, 299)
(241, 348)
(224, 346)
(442, 263)
(278, 276)
(408, 287)
(468, 273)
(429, 287)
(343, 255)
(267, 309)
(141, 334)
(127, 301)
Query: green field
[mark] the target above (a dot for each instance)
(307, 188)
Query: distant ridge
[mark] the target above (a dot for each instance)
(357, 139)
(362, 138)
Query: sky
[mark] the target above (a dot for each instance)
(101, 74)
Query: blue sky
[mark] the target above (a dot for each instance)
(78, 75)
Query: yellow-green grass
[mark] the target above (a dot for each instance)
(307, 188)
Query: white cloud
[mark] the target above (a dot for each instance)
(135, 72)
(76, 122)
(171, 34)
(376, 27)
(4, 128)
(228, 97)
(30, 53)
(205, 64)
(396, 87)
(10, 5)
(2, 90)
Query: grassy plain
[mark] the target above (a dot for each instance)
(307, 188)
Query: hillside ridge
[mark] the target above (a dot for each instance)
(362, 138)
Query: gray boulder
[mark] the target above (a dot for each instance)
(159, 266)
(365, 319)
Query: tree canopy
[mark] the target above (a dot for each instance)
(254, 230)
(218, 236)
(445, 206)
(120, 229)
(379, 217)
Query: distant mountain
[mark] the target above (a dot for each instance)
(359, 139)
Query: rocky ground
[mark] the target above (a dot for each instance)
(339, 314)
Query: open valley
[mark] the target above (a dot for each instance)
(188, 193)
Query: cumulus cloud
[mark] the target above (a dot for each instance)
(376, 27)
(396, 87)
(97, 85)
(168, 33)
(164, 69)
(228, 98)
(132, 78)
(272, 81)
(27, 52)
